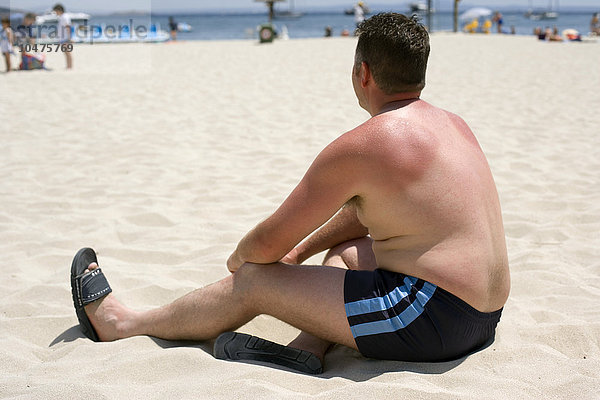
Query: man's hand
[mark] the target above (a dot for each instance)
(234, 262)
(292, 257)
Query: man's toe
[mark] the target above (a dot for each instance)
(91, 267)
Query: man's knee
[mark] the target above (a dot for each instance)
(345, 251)
(335, 257)
(247, 282)
(244, 277)
(352, 254)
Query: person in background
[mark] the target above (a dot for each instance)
(328, 31)
(553, 35)
(497, 19)
(28, 22)
(572, 35)
(27, 36)
(64, 32)
(359, 13)
(6, 40)
(541, 35)
(173, 28)
(595, 25)
(24, 34)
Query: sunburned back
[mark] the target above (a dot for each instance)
(431, 204)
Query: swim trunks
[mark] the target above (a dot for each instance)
(398, 317)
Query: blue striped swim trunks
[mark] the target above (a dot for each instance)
(394, 316)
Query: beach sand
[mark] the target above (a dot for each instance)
(162, 156)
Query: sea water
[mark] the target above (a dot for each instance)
(244, 26)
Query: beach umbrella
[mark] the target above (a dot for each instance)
(475, 13)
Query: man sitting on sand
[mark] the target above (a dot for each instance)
(407, 208)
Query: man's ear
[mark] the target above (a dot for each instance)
(365, 74)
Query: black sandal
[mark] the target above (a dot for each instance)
(239, 346)
(87, 287)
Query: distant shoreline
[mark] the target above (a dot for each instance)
(329, 10)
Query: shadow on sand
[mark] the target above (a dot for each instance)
(340, 362)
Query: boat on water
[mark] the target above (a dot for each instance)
(419, 7)
(184, 27)
(52, 18)
(289, 13)
(540, 14)
(537, 15)
(84, 32)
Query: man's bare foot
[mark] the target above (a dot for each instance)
(111, 319)
(312, 344)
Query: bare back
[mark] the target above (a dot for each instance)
(431, 206)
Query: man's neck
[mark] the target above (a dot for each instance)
(385, 103)
(395, 105)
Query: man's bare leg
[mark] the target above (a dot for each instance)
(307, 297)
(355, 254)
(7, 61)
(69, 58)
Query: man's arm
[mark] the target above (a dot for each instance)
(334, 178)
(344, 226)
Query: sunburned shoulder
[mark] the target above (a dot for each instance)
(386, 142)
(397, 130)
(417, 128)
(380, 128)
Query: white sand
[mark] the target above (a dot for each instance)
(162, 156)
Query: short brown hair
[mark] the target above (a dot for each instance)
(396, 49)
(58, 7)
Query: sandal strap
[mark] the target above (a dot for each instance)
(91, 287)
